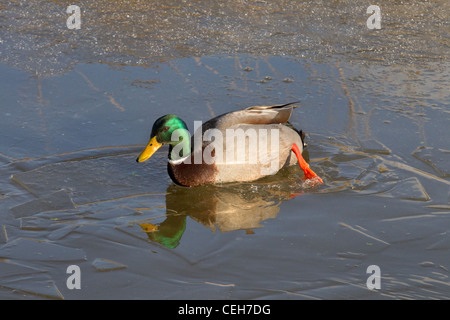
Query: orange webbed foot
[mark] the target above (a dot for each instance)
(309, 174)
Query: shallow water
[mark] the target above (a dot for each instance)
(74, 118)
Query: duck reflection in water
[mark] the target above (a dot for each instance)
(227, 207)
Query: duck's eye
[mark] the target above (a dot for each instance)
(164, 129)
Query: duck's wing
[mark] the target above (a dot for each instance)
(254, 115)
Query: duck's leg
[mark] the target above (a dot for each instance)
(309, 174)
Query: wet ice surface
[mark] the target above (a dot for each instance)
(87, 202)
(72, 193)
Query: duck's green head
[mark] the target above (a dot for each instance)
(162, 133)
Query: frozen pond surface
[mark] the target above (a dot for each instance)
(78, 105)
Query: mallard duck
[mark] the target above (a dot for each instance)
(266, 142)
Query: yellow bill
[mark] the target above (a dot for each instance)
(151, 148)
